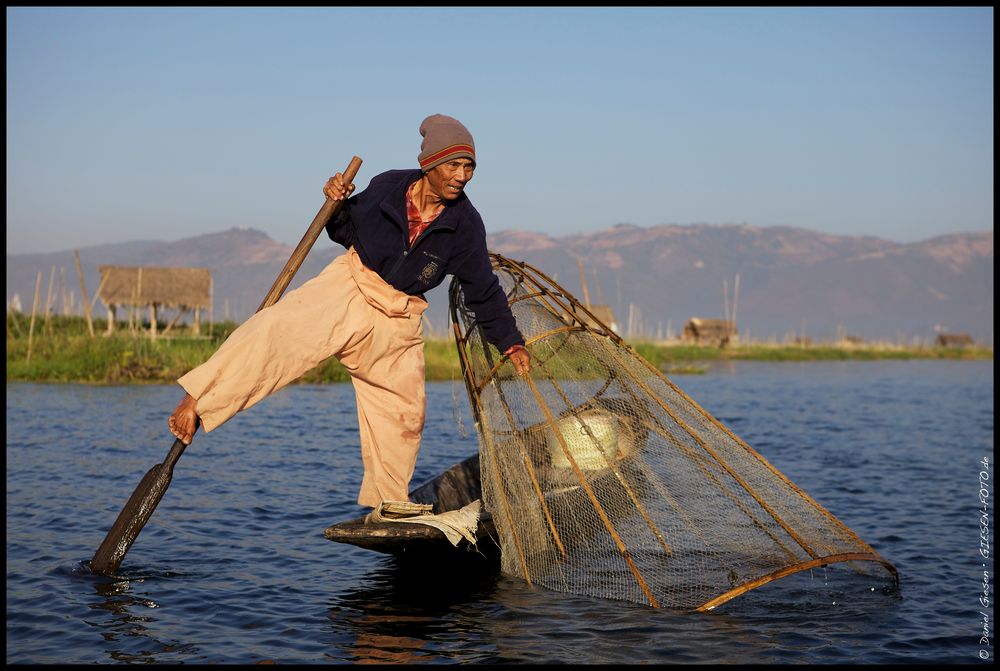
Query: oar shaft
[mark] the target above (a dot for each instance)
(323, 217)
(147, 495)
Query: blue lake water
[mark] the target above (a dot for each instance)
(233, 566)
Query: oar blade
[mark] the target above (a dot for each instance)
(131, 520)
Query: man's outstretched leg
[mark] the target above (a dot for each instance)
(271, 349)
(184, 420)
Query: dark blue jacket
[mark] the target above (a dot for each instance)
(374, 222)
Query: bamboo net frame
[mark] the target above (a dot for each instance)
(605, 479)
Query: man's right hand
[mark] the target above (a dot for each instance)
(184, 421)
(335, 189)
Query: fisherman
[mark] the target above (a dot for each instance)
(403, 235)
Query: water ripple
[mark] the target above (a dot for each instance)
(233, 568)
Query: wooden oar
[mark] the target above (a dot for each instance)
(147, 495)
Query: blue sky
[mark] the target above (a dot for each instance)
(165, 123)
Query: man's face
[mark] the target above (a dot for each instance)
(449, 179)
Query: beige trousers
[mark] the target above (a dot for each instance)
(374, 330)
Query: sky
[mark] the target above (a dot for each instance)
(165, 123)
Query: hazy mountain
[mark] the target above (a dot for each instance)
(791, 280)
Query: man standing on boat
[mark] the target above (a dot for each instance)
(403, 235)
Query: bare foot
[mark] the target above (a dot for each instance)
(184, 421)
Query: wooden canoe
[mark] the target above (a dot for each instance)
(452, 489)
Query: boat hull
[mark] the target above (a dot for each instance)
(453, 489)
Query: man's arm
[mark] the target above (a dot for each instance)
(485, 297)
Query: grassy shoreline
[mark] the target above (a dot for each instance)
(63, 351)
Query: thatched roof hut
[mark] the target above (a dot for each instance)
(166, 287)
(954, 340)
(711, 332)
(144, 286)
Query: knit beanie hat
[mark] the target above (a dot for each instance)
(444, 139)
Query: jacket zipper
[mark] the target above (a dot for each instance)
(406, 252)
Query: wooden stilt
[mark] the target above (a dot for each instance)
(180, 313)
(131, 313)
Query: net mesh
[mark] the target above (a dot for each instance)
(605, 479)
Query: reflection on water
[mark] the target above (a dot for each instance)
(402, 606)
(120, 615)
(233, 568)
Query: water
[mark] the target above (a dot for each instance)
(233, 566)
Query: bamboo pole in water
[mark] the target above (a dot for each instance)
(48, 302)
(736, 298)
(12, 318)
(62, 290)
(83, 292)
(34, 308)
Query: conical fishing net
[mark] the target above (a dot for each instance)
(605, 479)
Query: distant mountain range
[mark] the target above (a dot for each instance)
(791, 281)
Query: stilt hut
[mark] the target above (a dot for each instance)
(182, 289)
(954, 340)
(710, 332)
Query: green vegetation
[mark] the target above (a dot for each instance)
(63, 351)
